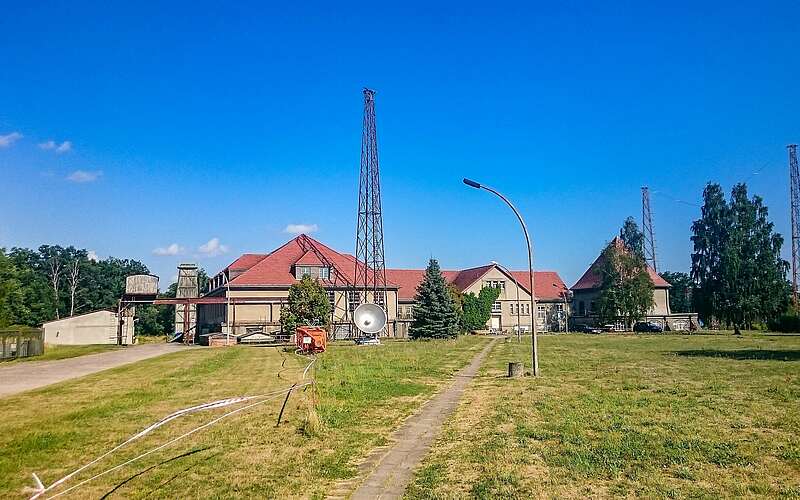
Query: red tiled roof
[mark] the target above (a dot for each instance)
(276, 268)
(591, 278)
(549, 285)
(309, 259)
(246, 261)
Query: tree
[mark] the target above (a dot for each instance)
(54, 256)
(632, 237)
(13, 309)
(75, 261)
(307, 305)
(434, 313)
(626, 289)
(478, 308)
(680, 295)
(736, 262)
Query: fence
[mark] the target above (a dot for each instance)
(21, 343)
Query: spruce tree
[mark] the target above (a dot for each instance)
(434, 312)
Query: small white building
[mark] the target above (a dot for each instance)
(98, 327)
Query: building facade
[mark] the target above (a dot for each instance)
(586, 292)
(263, 281)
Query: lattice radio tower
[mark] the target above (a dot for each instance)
(794, 183)
(647, 229)
(370, 266)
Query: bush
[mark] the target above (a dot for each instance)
(787, 323)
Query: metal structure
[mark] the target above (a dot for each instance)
(186, 314)
(370, 266)
(794, 189)
(647, 230)
(534, 311)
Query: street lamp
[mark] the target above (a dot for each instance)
(534, 347)
(504, 268)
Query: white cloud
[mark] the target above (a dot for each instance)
(84, 175)
(53, 145)
(301, 228)
(9, 139)
(173, 249)
(92, 255)
(213, 248)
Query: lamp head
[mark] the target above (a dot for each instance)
(472, 183)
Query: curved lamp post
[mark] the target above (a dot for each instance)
(534, 346)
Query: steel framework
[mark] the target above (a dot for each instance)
(370, 266)
(794, 189)
(647, 229)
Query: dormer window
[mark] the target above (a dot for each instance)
(321, 272)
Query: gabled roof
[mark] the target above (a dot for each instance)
(591, 279)
(276, 267)
(246, 261)
(549, 285)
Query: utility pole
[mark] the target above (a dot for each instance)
(647, 229)
(794, 190)
(370, 265)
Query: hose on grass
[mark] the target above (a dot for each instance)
(221, 403)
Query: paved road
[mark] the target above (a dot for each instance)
(391, 470)
(24, 376)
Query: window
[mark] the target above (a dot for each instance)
(332, 299)
(380, 298)
(559, 307)
(353, 300)
(581, 308)
(496, 307)
(313, 272)
(511, 307)
(325, 273)
(591, 307)
(540, 312)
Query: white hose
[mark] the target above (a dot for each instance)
(221, 403)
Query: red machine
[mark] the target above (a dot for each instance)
(311, 339)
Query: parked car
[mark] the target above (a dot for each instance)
(586, 329)
(647, 326)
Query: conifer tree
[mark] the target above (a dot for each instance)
(434, 312)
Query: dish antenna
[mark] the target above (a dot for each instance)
(369, 318)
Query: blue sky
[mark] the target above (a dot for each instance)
(209, 122)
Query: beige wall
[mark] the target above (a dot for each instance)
(267, 313)
(660, 306)
(99, 327)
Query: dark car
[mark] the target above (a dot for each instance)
(586, 329)
(646, 326)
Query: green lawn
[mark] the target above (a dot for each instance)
(624, 415)
(53, 352)
(363, 393)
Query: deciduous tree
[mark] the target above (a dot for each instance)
(307, 305)
(626, 289)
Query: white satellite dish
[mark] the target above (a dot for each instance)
(369, 318)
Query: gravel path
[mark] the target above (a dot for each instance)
(20, 377)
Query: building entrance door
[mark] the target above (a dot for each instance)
(495, 323)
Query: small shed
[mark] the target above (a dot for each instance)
(98, 327)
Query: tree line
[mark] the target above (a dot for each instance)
(54, 282)
(737, 278)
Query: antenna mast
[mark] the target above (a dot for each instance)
(647, 229)
(794, 183)
(370, 266)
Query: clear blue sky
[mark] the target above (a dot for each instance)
(212, 120)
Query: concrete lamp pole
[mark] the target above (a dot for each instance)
(534, 346)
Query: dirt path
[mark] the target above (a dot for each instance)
(388, 471)
(21, 377)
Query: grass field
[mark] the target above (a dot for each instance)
(362, 394)
(650, 415)
(53, 352)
